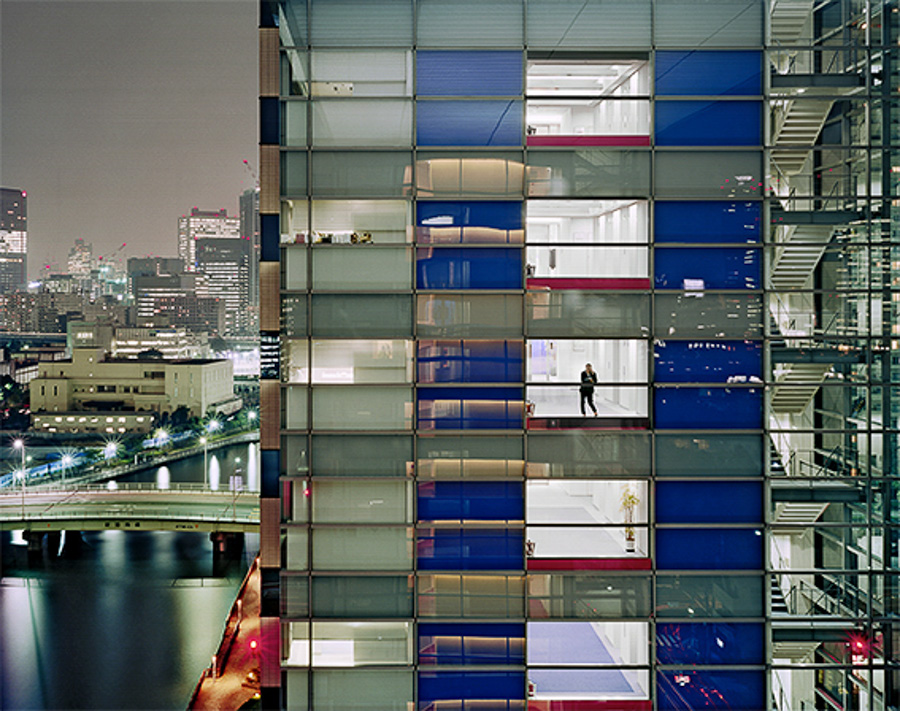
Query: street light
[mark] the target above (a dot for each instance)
(251, 415)
(20, 474)
(19, 444)
(66, 461)
(162, 436)
(213, 426)
(110, 450)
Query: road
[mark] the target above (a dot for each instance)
(139, 506)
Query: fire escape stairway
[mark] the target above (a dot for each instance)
(787, 19)
(799, 502)
(801, 123)
(796, 256)
(795, 385)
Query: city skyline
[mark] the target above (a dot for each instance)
(116, 151)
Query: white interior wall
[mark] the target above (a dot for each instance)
(386, 220)
(589, 262)
(594, 222)
(546, 500)
(628, 639)
(614, 361)
(609, 117)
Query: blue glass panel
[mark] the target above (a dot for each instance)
(471, 644)
(707, 361)
(469, 123)
(478, 73)
(470, 408)
(709, 549)
(469, 549)
(710, 643)
(269, 238)
(709, 73)
(476, 500)
(699, 222)
(702, 689)
(491, 213)
(707, 268)
(438, 686)
(269, 131)
(707, 502)
(270, 467)
(708, 123)
(708, 408)
(469, 268)
(470, 361)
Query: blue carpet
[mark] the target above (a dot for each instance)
(566, 643)
(574, 681)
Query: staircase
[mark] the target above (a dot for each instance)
(796, 385)
(795, 651)
(776, 467)
(779, 603)
(797, 256)
(797, 514)
(800, 125)
(788, 18)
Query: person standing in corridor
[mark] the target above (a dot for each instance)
(588, 381)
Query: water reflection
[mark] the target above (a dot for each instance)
(123, 620)
(214, 473)
(222, 464)
(253, 468)
(163, 478)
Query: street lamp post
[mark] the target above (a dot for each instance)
(66, 463)
(20, 445)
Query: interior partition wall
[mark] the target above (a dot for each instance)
(466, 203)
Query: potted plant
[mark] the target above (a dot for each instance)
(629, 502)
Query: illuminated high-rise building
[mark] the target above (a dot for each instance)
(249, 209)
(203, 224)
(13, 239)
(464, 204)
(81, 259)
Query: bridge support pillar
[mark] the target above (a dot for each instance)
(226, 550)
(35, 541)
(73, 545)
(53, 540)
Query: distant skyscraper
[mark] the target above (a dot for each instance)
(201, 224)
(13, 239)
(249, 212)
(164, 295)
(81, 259)
(226, 264)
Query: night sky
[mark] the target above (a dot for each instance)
(118, 116)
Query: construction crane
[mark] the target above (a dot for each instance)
(252, 172)
(110, 256)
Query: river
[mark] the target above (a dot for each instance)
(126, 620)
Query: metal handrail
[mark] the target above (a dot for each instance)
(125, 488)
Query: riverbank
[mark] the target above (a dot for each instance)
(103, 472)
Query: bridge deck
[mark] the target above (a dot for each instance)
(185, 507)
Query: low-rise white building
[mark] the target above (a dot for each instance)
(92, 383)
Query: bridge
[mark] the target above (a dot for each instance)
(130, 507)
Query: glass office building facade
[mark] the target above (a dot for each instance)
(464, 203)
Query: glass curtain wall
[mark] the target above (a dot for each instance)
(578, 354)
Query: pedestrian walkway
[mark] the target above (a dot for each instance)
(232, 678)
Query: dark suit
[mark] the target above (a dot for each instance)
(588, 381)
